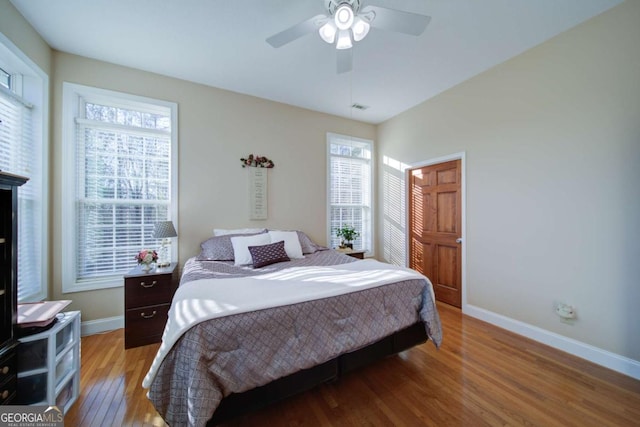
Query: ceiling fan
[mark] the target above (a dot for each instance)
(347, 22)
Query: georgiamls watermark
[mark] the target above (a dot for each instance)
(31, 416)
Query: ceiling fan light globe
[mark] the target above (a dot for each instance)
(328, 32)
(343, 17)
(360, 29)
(344, 40)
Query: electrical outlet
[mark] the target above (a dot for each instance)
(566, 312)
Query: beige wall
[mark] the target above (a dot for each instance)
(21, 33)
(552, 143)
(215, 129)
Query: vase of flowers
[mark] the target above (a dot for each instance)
(347, 235)
(145, 258)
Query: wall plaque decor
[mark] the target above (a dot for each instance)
(258, 193)
(258, 166)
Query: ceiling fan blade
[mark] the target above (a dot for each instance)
(398, 21)
(345, 60)
(297, 31)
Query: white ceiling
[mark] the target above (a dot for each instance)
(222, 44)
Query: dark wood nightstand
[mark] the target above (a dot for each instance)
(352, 253)
(147, 299)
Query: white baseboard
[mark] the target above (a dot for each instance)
(91, 327)
(610, 360)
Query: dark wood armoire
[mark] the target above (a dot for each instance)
(9, 283)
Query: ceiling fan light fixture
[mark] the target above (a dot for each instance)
(328, 32)
(344, 16)
(344, 40)
(360, 29)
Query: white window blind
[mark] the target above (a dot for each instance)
(21, 154)
(123, 185)
(350, 189)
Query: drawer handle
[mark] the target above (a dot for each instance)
(148, 316)
(144, 284)
(5, 394)
(5, 370)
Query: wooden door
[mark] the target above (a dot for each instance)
(435, 221)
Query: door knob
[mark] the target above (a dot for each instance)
(459, 240)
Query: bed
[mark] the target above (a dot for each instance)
(239, 337)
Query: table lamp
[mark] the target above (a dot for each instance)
(164, 230)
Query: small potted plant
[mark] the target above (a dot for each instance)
(347, 235)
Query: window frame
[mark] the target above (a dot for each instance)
(74, 98)
(30, 84)
(334, 138)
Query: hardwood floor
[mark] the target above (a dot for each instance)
(482, 375)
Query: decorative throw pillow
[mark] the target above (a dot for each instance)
(241, 254)
(291, 242)
(218, 248)
(308, 246)
(268, 254)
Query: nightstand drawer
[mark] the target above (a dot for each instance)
(147, 299)
(145, 325)
(147, 290)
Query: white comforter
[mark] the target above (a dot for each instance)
(206, 299)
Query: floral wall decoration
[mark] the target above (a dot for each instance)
(257, 162)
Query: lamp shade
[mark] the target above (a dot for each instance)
(360, 29)
(344, 40)
(164, 229)
(328, 32)
(343, 16)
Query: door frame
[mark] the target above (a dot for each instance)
(463, 211)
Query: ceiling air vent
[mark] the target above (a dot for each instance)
(359, 106)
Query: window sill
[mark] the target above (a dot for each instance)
(94, 285)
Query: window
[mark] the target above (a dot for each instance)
(23, 151)
(350, 188)
(120, 180)
(5, 79)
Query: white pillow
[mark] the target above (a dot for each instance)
(241, 254)
(224, 232)
(291, 242)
